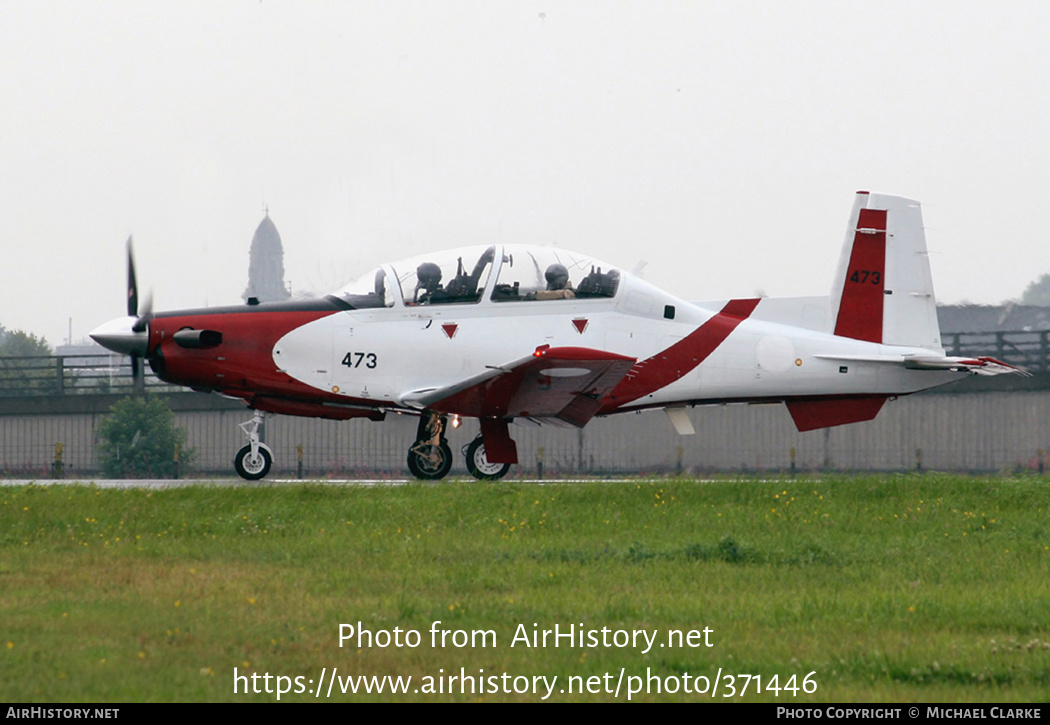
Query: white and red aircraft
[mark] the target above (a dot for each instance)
(512, 332)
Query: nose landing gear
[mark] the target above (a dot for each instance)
(254, 460)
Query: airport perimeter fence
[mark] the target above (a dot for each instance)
(987, 432)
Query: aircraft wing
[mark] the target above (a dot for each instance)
(567, 383)
(975, 365)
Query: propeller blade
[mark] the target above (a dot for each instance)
(137, 373)
(133, 288)
(146, 316)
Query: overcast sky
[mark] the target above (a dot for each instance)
(722, 142)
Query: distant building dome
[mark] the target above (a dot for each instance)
(266, 265)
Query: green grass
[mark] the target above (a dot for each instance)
(887, 588)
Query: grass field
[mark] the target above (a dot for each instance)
(930, 588)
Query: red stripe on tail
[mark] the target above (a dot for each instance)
(860, 311)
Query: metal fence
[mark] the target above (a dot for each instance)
(72, 375)
(989, 431)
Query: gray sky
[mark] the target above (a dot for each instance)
(720, 142)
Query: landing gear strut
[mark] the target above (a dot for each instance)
(254, 460)
(430, 457)
(478, 464)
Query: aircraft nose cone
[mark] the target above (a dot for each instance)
(118, 336)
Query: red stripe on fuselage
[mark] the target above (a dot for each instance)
(649, 375)
(860, 310)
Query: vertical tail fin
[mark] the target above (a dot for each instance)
(883, 289)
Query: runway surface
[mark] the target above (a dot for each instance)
(237, 482)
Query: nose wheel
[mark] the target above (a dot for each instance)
(479, 465)
(252, 465)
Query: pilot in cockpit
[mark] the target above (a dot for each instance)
(558, 287)
(428, 281)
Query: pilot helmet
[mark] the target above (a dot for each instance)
(557, 277)
(429, 275)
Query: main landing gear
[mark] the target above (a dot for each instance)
(430, 457)
(254, 460)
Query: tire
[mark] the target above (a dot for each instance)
(252, 469)
(480, 467)
(430, 463)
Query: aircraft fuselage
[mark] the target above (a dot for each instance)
(317, 353)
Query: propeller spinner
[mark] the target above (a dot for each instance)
(128, 335)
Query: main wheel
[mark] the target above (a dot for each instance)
(252, 467)
(479, 465)
(429, 462)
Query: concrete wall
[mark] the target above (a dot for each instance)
(987, 431)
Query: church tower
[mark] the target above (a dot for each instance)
(266, 265)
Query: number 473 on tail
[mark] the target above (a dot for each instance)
(514, 333)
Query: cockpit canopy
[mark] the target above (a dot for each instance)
(462, 276)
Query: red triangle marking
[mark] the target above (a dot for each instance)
(580, 323)
(450, 329)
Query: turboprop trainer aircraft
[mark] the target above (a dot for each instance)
(506, 333)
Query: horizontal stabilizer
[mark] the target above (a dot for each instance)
(977, 366)
(974, 365)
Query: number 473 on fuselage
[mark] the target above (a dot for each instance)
(505, 333)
